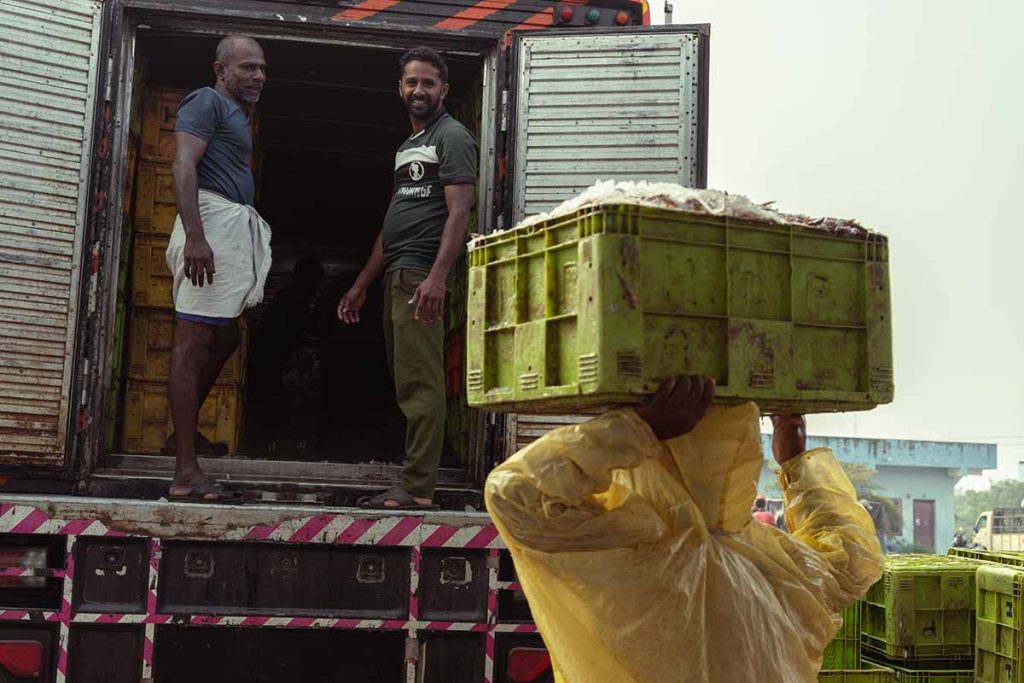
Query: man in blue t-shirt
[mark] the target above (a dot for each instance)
(423, 234)
(217, 233)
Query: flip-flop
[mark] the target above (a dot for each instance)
(200, 491)
(397, 494)
(204, 447)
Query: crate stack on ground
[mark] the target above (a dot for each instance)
(146, 417)
(841, 661)
(919, 620)
(999, 646)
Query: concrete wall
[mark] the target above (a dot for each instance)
(907, 484)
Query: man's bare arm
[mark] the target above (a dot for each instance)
(429, 296)
(350, 304)
(199, 263)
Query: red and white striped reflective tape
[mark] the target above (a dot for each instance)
(333, 528)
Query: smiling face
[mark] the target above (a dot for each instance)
(242, 70)
(422, 89)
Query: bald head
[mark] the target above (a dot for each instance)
(228, 47)
(241, 68)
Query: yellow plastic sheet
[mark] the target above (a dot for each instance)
(641, 562)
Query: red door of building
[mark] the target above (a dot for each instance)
(924, 524)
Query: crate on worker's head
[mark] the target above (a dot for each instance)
(147, 416)
(922, 610)
(596, 307)
(844, 650)
(1000, 644)
(151, 337)
(866, 673)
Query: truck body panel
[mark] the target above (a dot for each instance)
(115, 583)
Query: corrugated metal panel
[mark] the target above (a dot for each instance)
(529, 428)
(48, 56)
(600, 107)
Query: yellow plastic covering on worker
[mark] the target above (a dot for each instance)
(641, 562)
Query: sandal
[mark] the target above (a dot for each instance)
(204, 447)
(396, 494)
(200, 494)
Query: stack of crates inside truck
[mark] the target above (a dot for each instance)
(150, 321)
(919, 619)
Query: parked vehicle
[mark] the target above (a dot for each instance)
(999, 529)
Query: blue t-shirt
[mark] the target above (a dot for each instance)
(224, 125)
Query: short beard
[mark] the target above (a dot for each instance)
(425, 116)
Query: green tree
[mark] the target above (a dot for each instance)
(1005, 493)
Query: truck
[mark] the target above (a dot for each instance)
(101, 579)
(999, 529)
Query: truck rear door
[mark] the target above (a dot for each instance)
(48, 63)
(626, 103)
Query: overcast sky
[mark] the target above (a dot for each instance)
(908, 116)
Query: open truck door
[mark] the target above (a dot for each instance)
(622, 104)
(49, 55)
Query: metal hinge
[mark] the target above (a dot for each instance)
(504, 110)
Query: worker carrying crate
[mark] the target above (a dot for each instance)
(633, 542)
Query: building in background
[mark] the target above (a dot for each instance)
(914, 480)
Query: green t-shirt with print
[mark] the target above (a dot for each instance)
(445, 153)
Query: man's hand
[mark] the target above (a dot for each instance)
(790, 437)
(350, 304)
(429, 300)
(198, 260)
(678, 405)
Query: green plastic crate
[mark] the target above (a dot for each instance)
(597, 307)
(922, 610)
(868, 673)
(1000, 625)
(844, 650)
(1004, 557)
(933, 675)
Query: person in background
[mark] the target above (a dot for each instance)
(761, 512)
(286, 319)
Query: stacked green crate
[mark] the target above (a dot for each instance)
(1000, 557)
(921, 614)
(868, 674)
(844, 650)
(1000, 625)
(597, 307)
(933, 676)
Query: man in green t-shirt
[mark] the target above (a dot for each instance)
(423, 234)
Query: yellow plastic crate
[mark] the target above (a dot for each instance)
(159, 111)
(159, 114)
(152, 283)
(154, 200)
(147, 416)
(150, 338)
